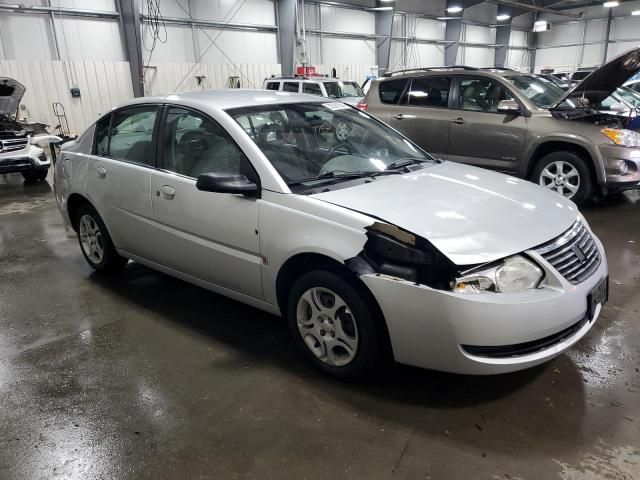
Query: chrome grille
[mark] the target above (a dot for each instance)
(13, 144)
(574, 254)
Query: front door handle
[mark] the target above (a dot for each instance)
(167, 191)
(101, 172)
(399, 116)
(458, 121)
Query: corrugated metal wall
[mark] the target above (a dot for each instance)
(102, 85)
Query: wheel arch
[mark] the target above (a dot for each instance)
(301, 263)
(561, 144)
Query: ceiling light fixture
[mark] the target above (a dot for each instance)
(610, 4)
(503, 16)
(454, 9)
(635, 13)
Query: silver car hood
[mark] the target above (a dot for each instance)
(471, 215)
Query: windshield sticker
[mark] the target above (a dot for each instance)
(336, 106)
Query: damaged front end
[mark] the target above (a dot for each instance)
(396, 253)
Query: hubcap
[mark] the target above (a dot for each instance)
(327, 326)
(562, 177)
(91, 239)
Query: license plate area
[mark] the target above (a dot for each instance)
(598, 295)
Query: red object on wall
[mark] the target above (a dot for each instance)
(306, 71)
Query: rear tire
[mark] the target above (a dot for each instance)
(333, 325)
(95, 242)
(566, 173)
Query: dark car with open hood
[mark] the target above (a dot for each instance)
(518, 123)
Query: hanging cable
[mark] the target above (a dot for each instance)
(157, 30)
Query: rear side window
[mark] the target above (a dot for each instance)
(290, 87)
(273, 86)
(430, 92)
(391, 90)
(101, 146)
(311, 88)
(132, 134)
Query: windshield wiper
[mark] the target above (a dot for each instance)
(338, 174)
(405, 162)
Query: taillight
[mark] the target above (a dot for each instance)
(362, 106)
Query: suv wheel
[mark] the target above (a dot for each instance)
(566, 173)
(333, 325)
(95, 241)
(35, 176)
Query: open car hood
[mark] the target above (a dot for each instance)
(471, 215)
(603, 82)
(11, 93)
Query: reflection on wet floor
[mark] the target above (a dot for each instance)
(145, 376)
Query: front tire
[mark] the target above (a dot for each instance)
(333, 325)
(95, 242)
(566, 173)
(35, 176)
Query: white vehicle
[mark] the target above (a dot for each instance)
(348, 92)
(366, 246)
(18, 154)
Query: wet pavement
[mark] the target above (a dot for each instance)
(144, 376)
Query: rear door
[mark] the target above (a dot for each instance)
(119, 176)
(479, 134)
(385, 96)
(423, 113)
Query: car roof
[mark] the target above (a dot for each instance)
(440, 71)
(228, 98)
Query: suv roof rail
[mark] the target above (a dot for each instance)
(500, 69)
(299, 77)
(428, 69)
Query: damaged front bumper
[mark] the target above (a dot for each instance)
(484, 333)
(31, 158)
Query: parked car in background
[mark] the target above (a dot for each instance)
(633, 85)
(557, 81)
(368, 247)
(518, 123)
(345, 91)
(17, 153)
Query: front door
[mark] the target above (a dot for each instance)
(423, 114)
(119, 177)
(211, 236)
(479, 134)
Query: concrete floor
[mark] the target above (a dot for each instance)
(144, 376)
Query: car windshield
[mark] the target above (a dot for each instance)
(343, 89)
(312, 144)
(629, 96)
(542, 92)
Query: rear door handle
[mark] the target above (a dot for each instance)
(458, 121)
(101, 172)
(168, 192)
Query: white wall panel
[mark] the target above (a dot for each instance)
(347, 20)
(561, 58)
(518, 38)
(89, 39)
(430, 29)
(102, 86)
(355, 72)
(178, 47)
(238, 46)
(37, 45)
(478, 34)
(616, 49)
(596, 30)
(181, 77)
(475, 56)
(252, 11)
(625, 28)
(348, 51)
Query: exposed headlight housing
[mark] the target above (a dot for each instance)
(514, 274)
(619, 136)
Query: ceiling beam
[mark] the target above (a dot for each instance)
(533, 8)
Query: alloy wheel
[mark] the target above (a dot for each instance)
(562, 177)
(327, 326)
(91, 239)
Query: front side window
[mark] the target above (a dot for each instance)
(290, 87)
(132, 134)
(543, 93)
(430, 92)
(391, 90)
(194, 144)
(481, 94)
(311, 88)
(321, 143)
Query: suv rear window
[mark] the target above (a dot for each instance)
(391, 90)
(290, 87)
(273, 86)
(430, 91)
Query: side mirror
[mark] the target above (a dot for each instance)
(509, 107)
(618, 107)
(227, 183)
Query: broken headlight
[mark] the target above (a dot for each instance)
(514, 274)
